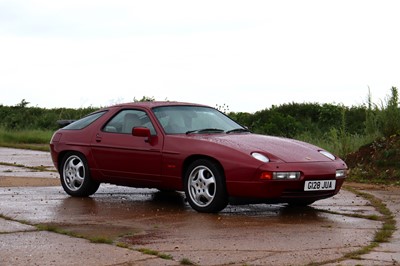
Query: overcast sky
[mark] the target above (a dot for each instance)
(248, 55)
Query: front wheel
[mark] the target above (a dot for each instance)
(75, 176)
(205, 186)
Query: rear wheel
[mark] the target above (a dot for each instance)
(75, 176)
(205, 186)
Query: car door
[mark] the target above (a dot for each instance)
(121, 156)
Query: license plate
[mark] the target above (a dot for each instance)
(320, 185)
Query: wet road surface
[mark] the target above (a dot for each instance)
(146, 219)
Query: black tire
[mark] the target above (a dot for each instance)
(205, 187)
(75, 176)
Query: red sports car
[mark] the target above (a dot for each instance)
(191, 148)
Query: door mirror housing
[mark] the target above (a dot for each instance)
(145, 133)
(141, 132)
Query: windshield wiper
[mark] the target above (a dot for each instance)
(237, 130)
(206, 130)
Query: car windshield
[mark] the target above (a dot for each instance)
(194, 119)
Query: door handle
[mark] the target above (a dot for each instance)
(98, 137)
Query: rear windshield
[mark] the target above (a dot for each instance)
(85, 121)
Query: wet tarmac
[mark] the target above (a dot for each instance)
(141, 221)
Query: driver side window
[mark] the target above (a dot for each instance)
(125, 120)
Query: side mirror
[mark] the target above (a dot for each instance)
(144, 132)
(141, 132)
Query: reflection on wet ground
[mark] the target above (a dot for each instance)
(151, 204)
(163, 221)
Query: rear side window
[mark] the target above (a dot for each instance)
(85, 121)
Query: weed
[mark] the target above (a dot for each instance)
(165, 256)
(100, 240)
(122, 245)
(155, 253)
(186, 261)
(54, 229)
(148, 251)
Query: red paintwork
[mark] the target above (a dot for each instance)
(159, 161)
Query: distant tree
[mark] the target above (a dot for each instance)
(22, 104)
(245, 119)
(145, 99)
(330, 116)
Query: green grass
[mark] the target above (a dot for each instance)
(59, 230)
(335, 143)
(56, 229)
(155, 253)
(122, 245)
(186, 261)
(26, 136)
(26, 139)
(100, 240)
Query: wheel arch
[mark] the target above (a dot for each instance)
(189, 160)
(81, 152)
(62, 154)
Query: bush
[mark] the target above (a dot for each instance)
(390, 114)
(20, 117)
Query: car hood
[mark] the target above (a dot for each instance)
(276, 148)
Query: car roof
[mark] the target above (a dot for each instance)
(153, 104)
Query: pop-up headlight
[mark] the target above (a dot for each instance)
(260, 157)
(328, 154)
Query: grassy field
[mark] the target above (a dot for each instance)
(26, 139)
